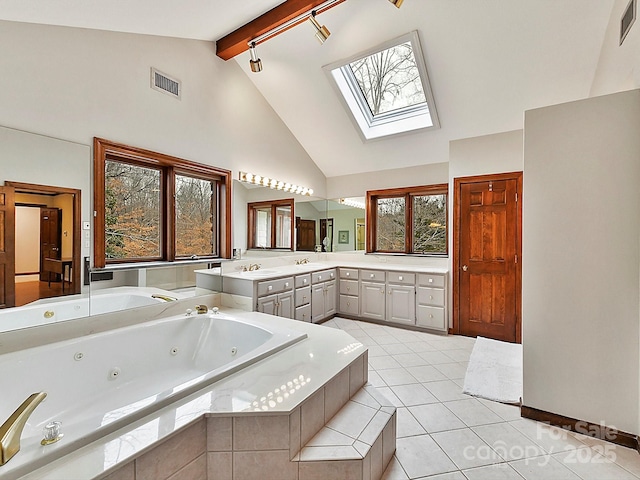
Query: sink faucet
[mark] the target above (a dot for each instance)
(166, 298)
(254, 266)
(11, 430)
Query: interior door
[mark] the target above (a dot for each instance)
(487, 283)
(305, 235)
(50, 237)
(7, 248)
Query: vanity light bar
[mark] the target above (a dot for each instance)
(352, 203)
(273, 183)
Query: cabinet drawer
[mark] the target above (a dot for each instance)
(373, 275)
(402, 278)
(268, 287)
(431, 296)
(349, 273)
(303, 280)
(303, 296)
(323, 276)
(349, 305)
(431, 280)
(431, 317)
(304, 313)
(348, 287)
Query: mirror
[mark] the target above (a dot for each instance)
(45, 198)
(348, 223)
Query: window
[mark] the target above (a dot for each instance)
(386, 89)
(407, 220)
(153, 207)
(271, 224)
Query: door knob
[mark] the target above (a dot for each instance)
(465, 268)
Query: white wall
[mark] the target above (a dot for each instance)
(28, 246)
(356, 185)
(581, 260)
(75, 84)
(619, 65)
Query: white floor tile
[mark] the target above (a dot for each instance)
(590, 465)
(407, 425)
(501, 471)
(383, 362)
(413, 394)
(420, 347)
(510, 443)
(421, 456)
(551, 439)
(446, 390)
(397, 376)
(394, 471)
(396, 349)
(435, 357)
(466, 449)
(452, 370)
(505, 411)
(472, 412)
(426, 373)
(388, 392)
(436, 418)
(543, 468)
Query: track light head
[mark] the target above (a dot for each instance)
(322, 32)
(255, 63)
(397, 3)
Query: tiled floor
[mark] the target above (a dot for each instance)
(443, 434)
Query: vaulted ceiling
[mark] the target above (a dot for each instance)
(488, 61)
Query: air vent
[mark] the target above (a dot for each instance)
(627, 20)
(164, 83)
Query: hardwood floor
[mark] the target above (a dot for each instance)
(27, 292)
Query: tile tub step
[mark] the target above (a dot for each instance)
(358, 442)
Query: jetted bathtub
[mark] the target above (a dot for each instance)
(102, 382)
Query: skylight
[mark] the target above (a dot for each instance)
(386, 89)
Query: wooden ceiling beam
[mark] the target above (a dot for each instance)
(237, 41)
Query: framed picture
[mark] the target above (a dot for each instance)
(343, 236)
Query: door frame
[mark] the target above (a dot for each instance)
(457, 183)
(77, 221)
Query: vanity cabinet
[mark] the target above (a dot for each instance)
(276, 297)
(372, 294)
(349, 299)
(431, 301)
(401, 298)
(323, 295)
(303, 298)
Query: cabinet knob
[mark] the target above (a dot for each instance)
(348, 288)
(400, 278)
(331, 275)
(269, 287)
(319, 277)
(286, 284)
(348, 274)
(431, 280)
(348, 304)
(382, 291)
(304, 281)
(304, 297)
(430, 297)
(431, 315)
(372, 275)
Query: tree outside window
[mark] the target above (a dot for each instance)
(408, 220)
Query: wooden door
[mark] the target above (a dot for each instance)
(487, 283)
(305, 235)
(7, 248)
(50, 238)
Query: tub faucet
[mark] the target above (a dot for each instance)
(201, 309)
(166, 298)
(11, 430)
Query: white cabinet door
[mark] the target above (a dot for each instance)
(285, 305)
(372, 300)
(401, 304)
(330, 293)
(317, 302)
(268, 304)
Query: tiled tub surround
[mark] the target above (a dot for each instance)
(325, 365)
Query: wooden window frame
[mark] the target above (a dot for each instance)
(169, 166)
(251, 222)
(371, 215)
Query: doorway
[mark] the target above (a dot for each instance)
(46, 260)
(305, 235)
(326, 234)
(487, 272)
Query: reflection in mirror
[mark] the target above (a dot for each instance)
(348, 223)
(43, 203)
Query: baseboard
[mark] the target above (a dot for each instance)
(602, 432)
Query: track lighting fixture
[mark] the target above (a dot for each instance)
(322, 32)
(255, 63)
(397, 3)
